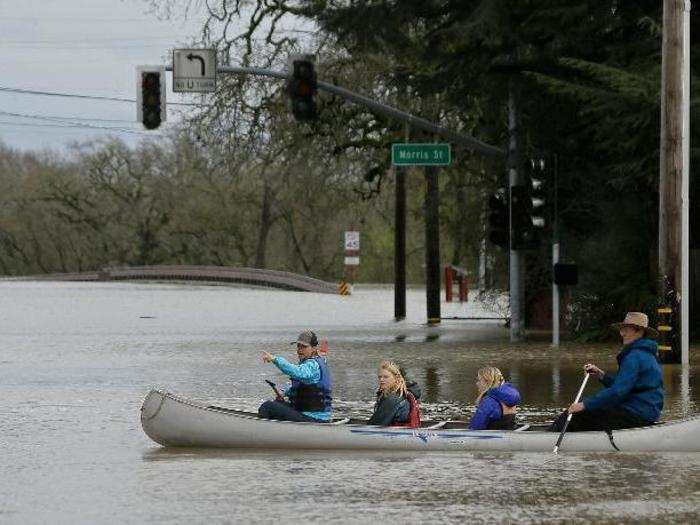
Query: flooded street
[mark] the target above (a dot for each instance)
(77, 359)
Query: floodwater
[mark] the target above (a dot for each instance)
(76, 360)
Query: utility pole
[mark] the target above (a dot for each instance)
(515, 270)
(674, 180)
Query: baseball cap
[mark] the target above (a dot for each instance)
(307, 338)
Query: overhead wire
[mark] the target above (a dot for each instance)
(84, 126)
(89, 97)
(62, 118)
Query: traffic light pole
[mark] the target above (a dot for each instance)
(556, 315)
(432, 244)
(515, 271)
(415, 122)
(400, 239)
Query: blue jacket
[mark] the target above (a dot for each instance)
(638, 385)
(489, 409)
(308, 372)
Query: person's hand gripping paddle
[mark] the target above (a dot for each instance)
(278, 394)
(568, 418)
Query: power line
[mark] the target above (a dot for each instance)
(71, 19)
(60, 118)
(91, 39)
(69, 126)
(89, 97)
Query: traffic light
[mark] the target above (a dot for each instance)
(529, 202)
(150, 96)
(302, 87)
(537, 183)
(524, 235)
(498, 219)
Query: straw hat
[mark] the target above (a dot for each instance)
(638, 320)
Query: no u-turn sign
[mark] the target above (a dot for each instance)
(194, 70)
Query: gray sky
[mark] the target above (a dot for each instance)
(82, 47)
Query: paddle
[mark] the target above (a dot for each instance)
(568, 418)
(278, 394)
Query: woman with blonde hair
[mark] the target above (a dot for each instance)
(395, 404)
(496, 403)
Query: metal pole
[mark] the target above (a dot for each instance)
(555, 299)
(415, 122)
(400, 242)
(514, 271)
(400, 246)
(432, 244)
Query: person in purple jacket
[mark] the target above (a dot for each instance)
(496, 403)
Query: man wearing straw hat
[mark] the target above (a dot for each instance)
(634, 396)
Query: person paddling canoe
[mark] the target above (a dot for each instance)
(310, 392)
(634, 396)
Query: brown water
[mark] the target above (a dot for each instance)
(77, 359)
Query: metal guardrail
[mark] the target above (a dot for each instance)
(252, 276)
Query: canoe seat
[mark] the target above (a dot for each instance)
(521, 428)
(341, 421)
(436, 425)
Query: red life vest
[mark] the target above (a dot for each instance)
(413, 414)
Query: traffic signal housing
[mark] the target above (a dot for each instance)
(524, 234)
(529, 205)
(150, 96)
(302, 87)
(499, 220)
(537, 187)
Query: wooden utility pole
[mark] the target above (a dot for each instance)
(674, 182)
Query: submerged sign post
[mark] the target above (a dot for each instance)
(194, 70)
(406, 154)
(352, 255)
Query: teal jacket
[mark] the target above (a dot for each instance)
(307, 372)
(638, 384)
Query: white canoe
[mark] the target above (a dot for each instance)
(174, 421)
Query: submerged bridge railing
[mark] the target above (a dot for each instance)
(251, 276)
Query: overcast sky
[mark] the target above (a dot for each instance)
(80, 47)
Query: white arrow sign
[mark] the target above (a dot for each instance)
(194, 70)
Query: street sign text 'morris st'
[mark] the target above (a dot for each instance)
(407, 154)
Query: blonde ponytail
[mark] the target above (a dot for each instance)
(488, 377)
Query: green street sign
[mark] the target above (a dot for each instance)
(403, 154)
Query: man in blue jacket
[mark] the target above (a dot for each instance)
(631, 398)
(310, 393)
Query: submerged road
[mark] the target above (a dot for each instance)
(78, 358)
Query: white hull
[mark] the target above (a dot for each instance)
(173, 421)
